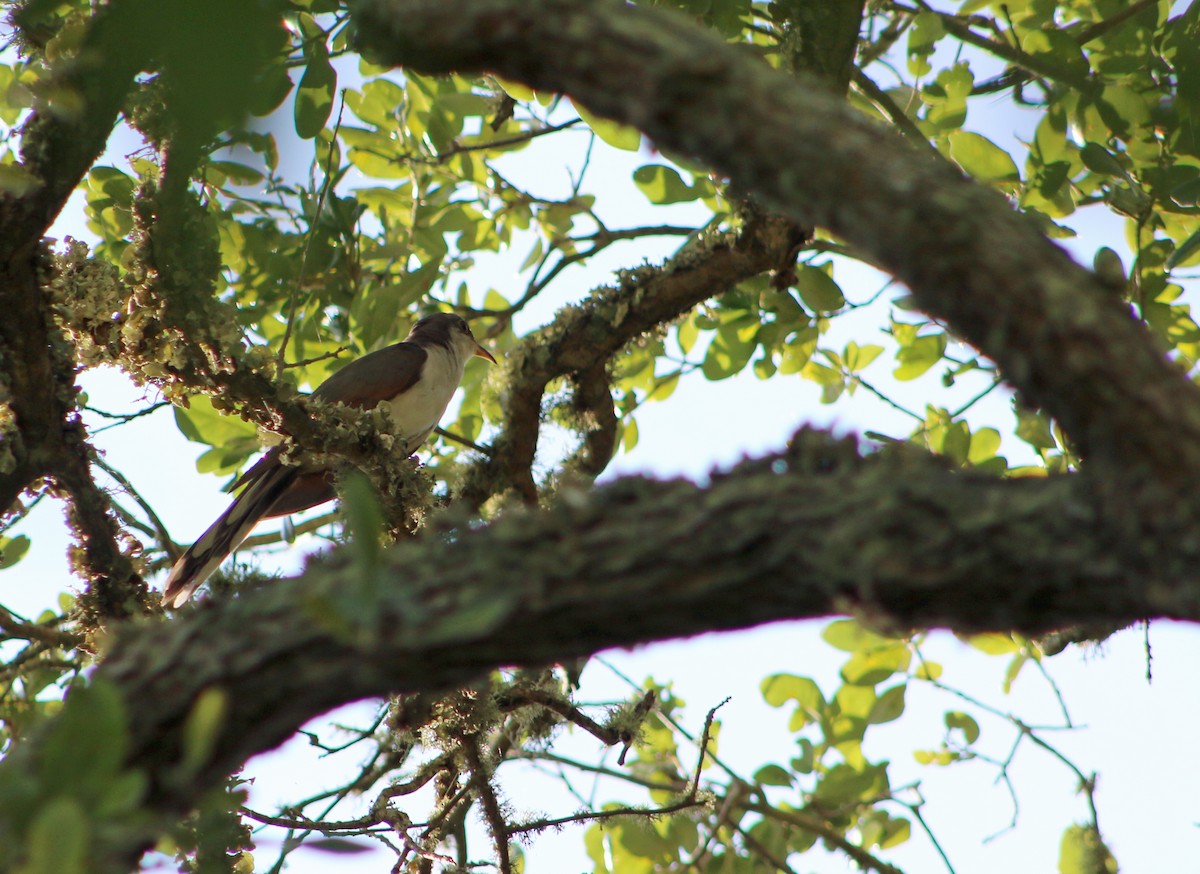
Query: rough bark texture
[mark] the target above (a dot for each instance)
(812, 532)
(582, 339)
(36, 370)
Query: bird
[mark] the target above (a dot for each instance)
(414, 379)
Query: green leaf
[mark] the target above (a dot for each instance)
(629, 434)
(869, 667)
(1100, 160)
(364, 518)
(86, 745)
(1187, 193)
(314, 97)
(619, 136)
(1186, 254)
(202, 423)
(202, 727)
(806, 761)
(1107, 265)
(917, 357)
(729, 352)
(848, 636)
(778, 689)
(928, 670)
(593, 845)
(981, 158)
(964, 723)
(17, 181)
(1083, 852)
(985, 443)
(515, 90)
(1034, 429)
(843, 784)
(662, 184)
(273, 85)
(799, 349)
(858, 358)
(1058, 48)
(855, 700)
(888, 706)
(955, 442)
(896, 832)
(239, 173)
(687, 334)
(924, 33)
(772, 775)
(640, 838)
(58, 839)
(818, 290)
(994, 643)
(1015, 664)
(936, 757)
(122, 795)
(12, 550)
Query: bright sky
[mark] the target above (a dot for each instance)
(1138, 736)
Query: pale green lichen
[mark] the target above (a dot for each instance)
(9, 432)
(88, 300)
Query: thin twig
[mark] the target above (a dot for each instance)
(888, 107)
(865, 860)
(124, 418)
(462, 441)
(493, 812)
(308, 238)
(160, 530)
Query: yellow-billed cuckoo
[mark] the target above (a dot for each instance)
(415, 379)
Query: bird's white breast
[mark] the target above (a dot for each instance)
(417, 411)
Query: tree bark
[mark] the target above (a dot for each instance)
(815, 531)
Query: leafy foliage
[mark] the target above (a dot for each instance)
(342, 200)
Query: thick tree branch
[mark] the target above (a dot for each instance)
(583, 338)
(58, 145)
(815, 531)
(1052, 327)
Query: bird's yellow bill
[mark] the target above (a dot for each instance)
(480, 352)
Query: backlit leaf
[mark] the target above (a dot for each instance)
(12, 550)
(662, 184)
(818, 290)
(918, 356)
(314, 97)
(1083, 851)
(956, 719)
(981, 158)
(619, 136)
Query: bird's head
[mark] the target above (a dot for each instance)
(451, 331)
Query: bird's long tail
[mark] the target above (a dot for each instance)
(224, 536)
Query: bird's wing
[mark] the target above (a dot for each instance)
(363, 383)
(376, 377)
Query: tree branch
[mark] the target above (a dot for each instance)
(583, 338)
(812, 532)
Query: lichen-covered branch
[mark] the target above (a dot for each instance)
(818, 530)
(584, 337)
